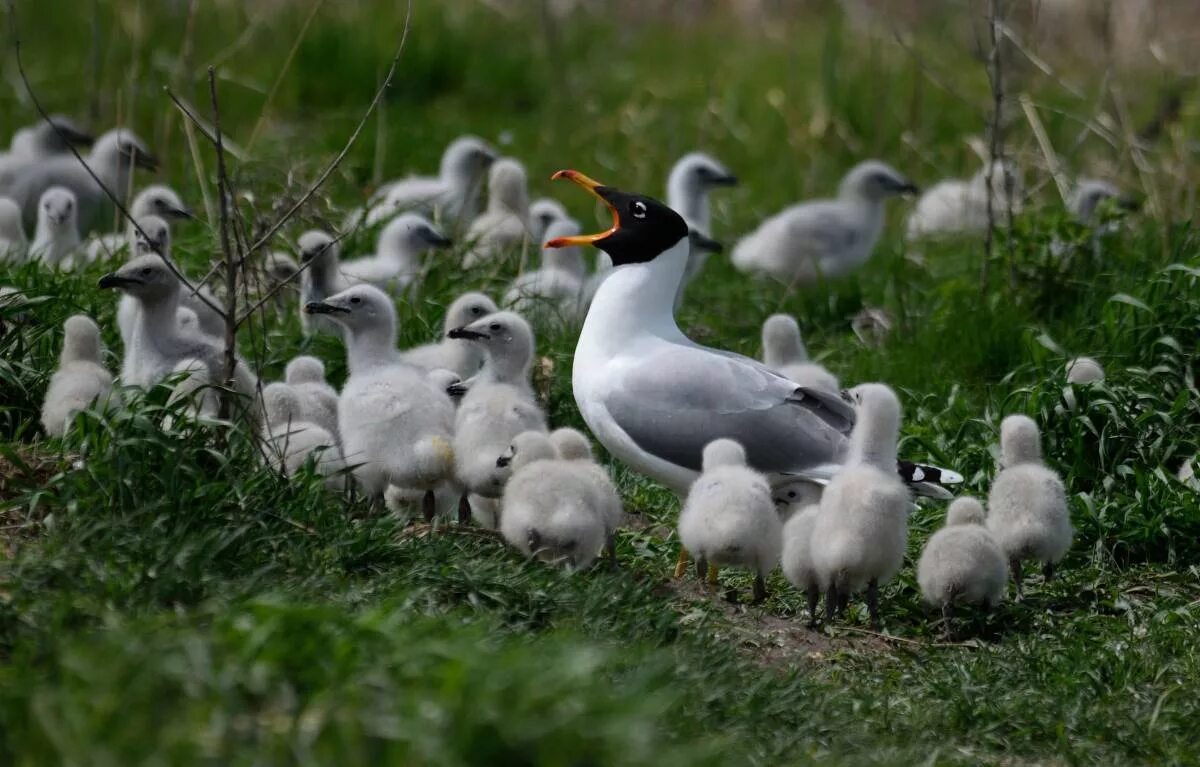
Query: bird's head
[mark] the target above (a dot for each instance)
(358, 307)
(642, 227)
(146, 276)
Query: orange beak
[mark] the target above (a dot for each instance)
(592, 186)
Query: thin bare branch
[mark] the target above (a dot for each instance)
(1043, 140)
(224, 194)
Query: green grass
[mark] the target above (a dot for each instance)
(165, 600)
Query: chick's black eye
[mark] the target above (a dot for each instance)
(476, 310)
(791, 494)
(355, 300)
(638, 209)
(146, 270)
(496, 326)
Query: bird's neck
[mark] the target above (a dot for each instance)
(507, 369)
(690, 200)
(784, 352)
(636, 299)
(159, 317)
(367, 348)
(873, 442)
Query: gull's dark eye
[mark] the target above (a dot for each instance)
(496, 327)
(146, 271)
(791, 493)
(355, 300)
(638, 209)
(476, 310)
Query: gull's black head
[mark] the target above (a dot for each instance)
(642, 226)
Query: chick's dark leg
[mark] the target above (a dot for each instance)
(760, 590)
(814, 595)
(1015, 565)
(873, 603)
(831, 603)
(428, 505)
(464, 510)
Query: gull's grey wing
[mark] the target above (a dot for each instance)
(681, 398)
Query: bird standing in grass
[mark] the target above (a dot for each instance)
(1027, 504)
(962, 563)
(498, 404)
(396, 429)
(824, 239)
(57, 235)
(504, 226)
(654, 398)
(859, 535)
(729, 518)
(548, 507)
(80, 379)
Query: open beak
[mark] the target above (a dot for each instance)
(320, 307)
(597, 190)
(467, 334)
(503, 461)
(117, 281)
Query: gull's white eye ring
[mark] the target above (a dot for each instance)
(639, 209)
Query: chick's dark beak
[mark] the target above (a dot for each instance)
(74, 135)
(704, 243)
(467, 334)
(145, 161)
(908, 188)
(320, 307)
(117, 281)
(503, 461)
(182, 213)
(724, 179)
(600, 192)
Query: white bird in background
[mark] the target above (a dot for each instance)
(37, 142)
(954, 206)
(317, 400)
(555, 291)
(157, 343)
(1089, 194)
(154, 200)
(543, 212)
(57, 235)
(112, 158)
(688, 185)
(13, 244)
(396, 429)
(322, 278)
(451, 197)
(396, 263)
(504, 226)
(785, 353)
(81, 378)
(458, 355)
(152, 236)
(824, 239)
(291, 440)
